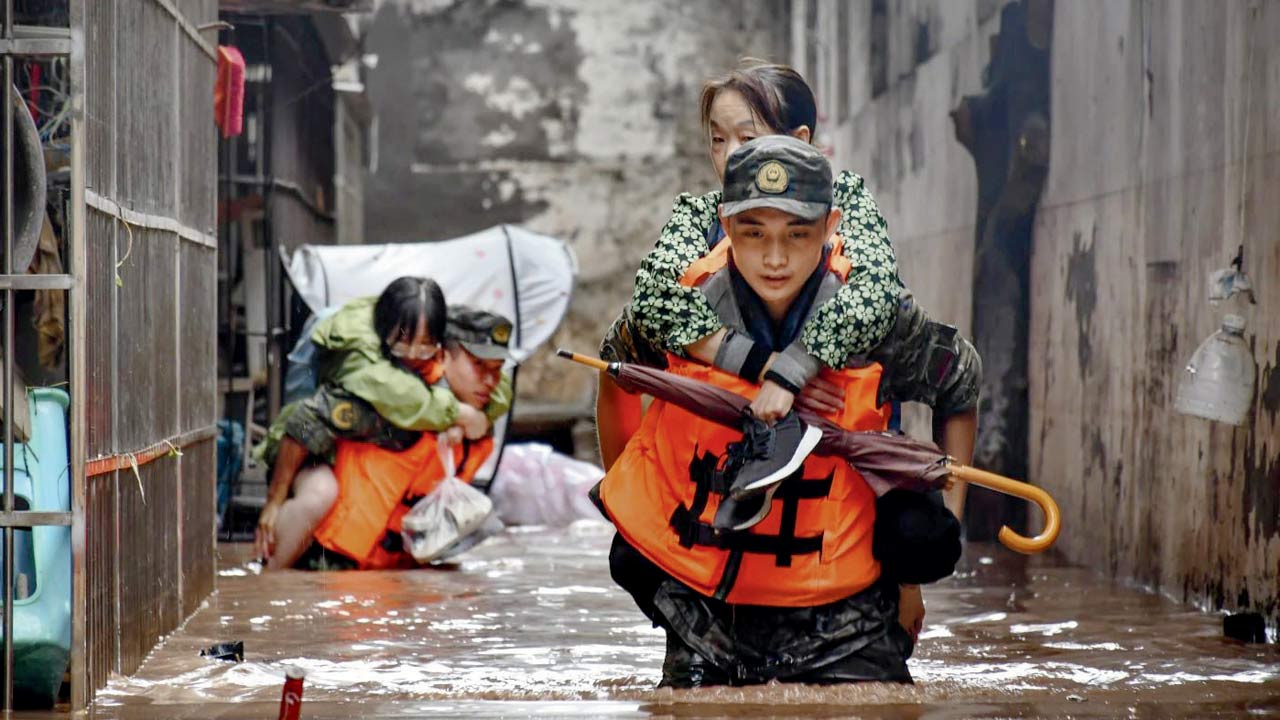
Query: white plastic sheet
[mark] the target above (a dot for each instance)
(536, 485)
(525, 276)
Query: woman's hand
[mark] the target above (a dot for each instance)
(772, 402)
(820, 397)
(474, 424)
(264, 537)
(911, 610)
(452, 437)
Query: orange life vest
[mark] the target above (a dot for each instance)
(815, 545)
(376, 487)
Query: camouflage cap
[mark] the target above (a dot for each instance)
(484, 334)
(780, 172)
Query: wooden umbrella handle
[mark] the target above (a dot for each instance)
(1030, 493)
(587, 360)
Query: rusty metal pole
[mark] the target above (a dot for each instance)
(76, 360)
(8, 360)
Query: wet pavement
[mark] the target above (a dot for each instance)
(530, 625)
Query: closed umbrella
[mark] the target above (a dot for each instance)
(885, 460)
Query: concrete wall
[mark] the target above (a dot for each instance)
(573, 118)
(899, 138)
(1150, 179)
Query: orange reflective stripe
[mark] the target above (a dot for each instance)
(652, 480)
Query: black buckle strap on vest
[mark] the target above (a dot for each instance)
(708, 478)
(787, 523)
(700, 533)
(701, 471)
(791, 492)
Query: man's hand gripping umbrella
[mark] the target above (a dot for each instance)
(885, 460)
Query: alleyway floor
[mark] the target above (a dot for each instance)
(529, 624)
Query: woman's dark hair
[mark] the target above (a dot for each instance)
(778, 96)
(403, 303)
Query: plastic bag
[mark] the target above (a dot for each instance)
(448, 514)
(491, 526)
(536, 485)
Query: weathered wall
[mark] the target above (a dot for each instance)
(150, 149)
(300, 114)
(1150, 178)
(884, 95)
(1149, 173)
(573, 118)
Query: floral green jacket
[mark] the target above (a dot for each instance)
(853, 322)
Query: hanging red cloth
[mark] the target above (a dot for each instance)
(228, 94)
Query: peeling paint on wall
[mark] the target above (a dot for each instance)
(1147, 190)
(1261, 463)
(573, 118)
(473, 74)
(1082, 290)
(1269, 381)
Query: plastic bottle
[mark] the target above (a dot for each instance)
(1218, 382)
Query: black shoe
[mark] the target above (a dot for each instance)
(742, 514)
(770, 454)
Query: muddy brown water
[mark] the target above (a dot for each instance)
(530, 625)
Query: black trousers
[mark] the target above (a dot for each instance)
(710, 642)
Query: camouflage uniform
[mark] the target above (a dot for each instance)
(927, 362)
(329, 415)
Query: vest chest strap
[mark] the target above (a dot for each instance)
(709, 479)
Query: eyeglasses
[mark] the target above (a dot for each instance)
(404, 350)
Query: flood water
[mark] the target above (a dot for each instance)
(529, 624)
